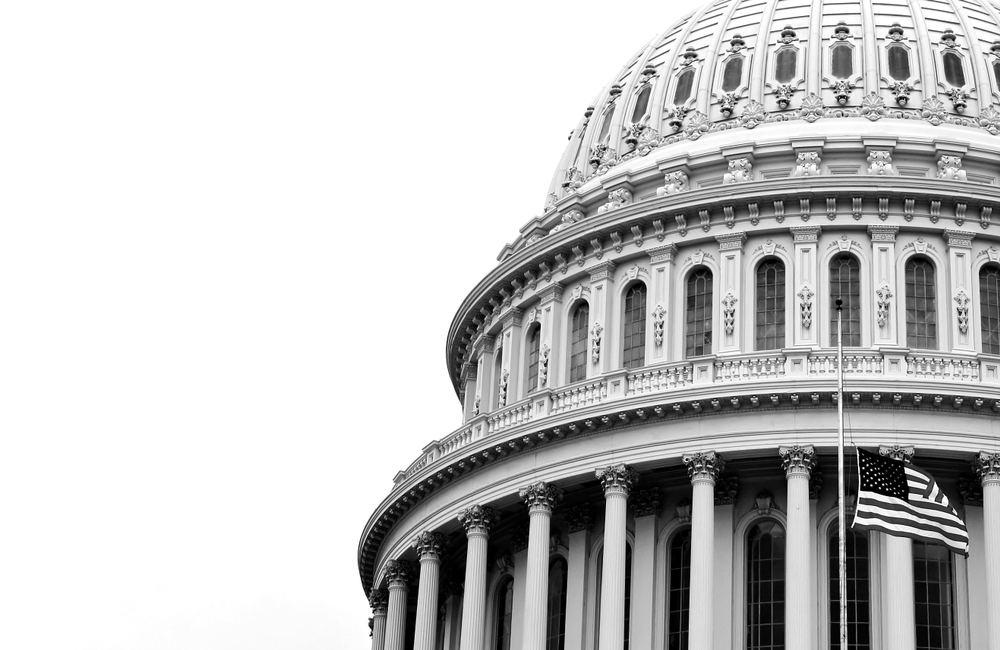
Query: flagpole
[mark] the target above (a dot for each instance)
(841, 497)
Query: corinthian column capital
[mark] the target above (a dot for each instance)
(478, 520)
(398, 573)
(987, 466)
(540, 497)
(379, 601)
(897, 452)
(797, 460)
(704, 466)
(429, 545)
(617, 479)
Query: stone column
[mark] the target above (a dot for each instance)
(987, 466)
(617, 481)
(379, 601)
(798, 462)
(647, 510)
(477, 521)
(900, 619)
(703, 468)
(580, 523)
(540, 498)
(429, 546)
(397, 574)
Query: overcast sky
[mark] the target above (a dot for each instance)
(232, 238)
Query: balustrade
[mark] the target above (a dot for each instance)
(509, 417)
(854, 364)
(942, 368)
(643, 382)
(579, 396)
(750, 368)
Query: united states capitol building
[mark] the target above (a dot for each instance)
(648, 376)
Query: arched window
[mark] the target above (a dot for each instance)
(578, 343)
(770, 323)
(784, 64)
(765, 595)
(634, 327)
(845, 283)
(505, 613)
(698, 332)
(685, 84)
(899, 62)
(858, 591)
(606, 125)
(534, 345)
(842, 60)
(641, 103)
(679, 594)
(555, 635)
(989, 306)
(954, 71)
(921, 304)
(933, 599)
(732, 74)
(628, 592)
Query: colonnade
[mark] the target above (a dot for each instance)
(618, 482)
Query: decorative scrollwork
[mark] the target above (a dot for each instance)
(806, 305)
(729, 312)
(842, 90)
(933, 111)
(873, 106)
(740, 171)
(884, 294)
(812, 108)
(659, 315)
(674, 183)
(962, 300)
(595, 341)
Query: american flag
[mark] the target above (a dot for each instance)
(899, 499)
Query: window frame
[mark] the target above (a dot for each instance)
(623, 320)
(752, 303)
(977, 311)
(740, 535)
(832, 316)
(689, 273)
(940, 325)
(571, 321)
(532, 357)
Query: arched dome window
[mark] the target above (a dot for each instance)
(921, 304)
(641, 103)
(934, 598)
(534, 346)
(555, 632)
(784, 64)
(504, 615)
(954, 71)
(765, 595)
(732, 74)
(899, 62)
(858, 589)
(698, 313)
(578, 343)
(989, 307)
(679, 590)
(845, 284)
(770, 316)
(685, 84)
(634, 327)
(842, 60)
(606, 124)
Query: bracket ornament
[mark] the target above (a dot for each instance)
(616, 199)
(950, 168)
(842, 90)
(674, 183)
(740, 171)
(807, 164)
(880, 163)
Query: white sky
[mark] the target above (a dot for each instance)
(232, 238)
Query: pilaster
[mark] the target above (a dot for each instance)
(805, 328)
(553, 349)
(511, 363)
(883, 277)
(730, 286)
(602, 312)
(646, 504)
(485, 380)
(580, 522)
(961, 301)
(661, 269)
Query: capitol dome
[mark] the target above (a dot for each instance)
(648, 377)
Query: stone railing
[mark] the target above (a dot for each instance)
(942, 368)
(854, 364)
(750, 368)
(579, 396)
(509, 417)
(455, 441)
(643, 382)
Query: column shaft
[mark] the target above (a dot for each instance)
(613, 576)
(378, 631)
(797, 600)
(702, 540)
(537, 581)
(991, 528)
(395, 623)
(425, 633)
(900, 626)
(474, 607)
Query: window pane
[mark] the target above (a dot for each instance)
(534, 341)
(899, 62)
(732, 74)
(784, 65)
(698, 330)
(921, 304)
(679, 591)
(765, 595)
(845, 283)
(858, 608)
(989, 306)
(578, 343)
(685, 83)
(932, 587)
(770, 315)
(555, 638)
(640, 104)
(954, 73)
(843, 60)
(634, 351)
(606, 125)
